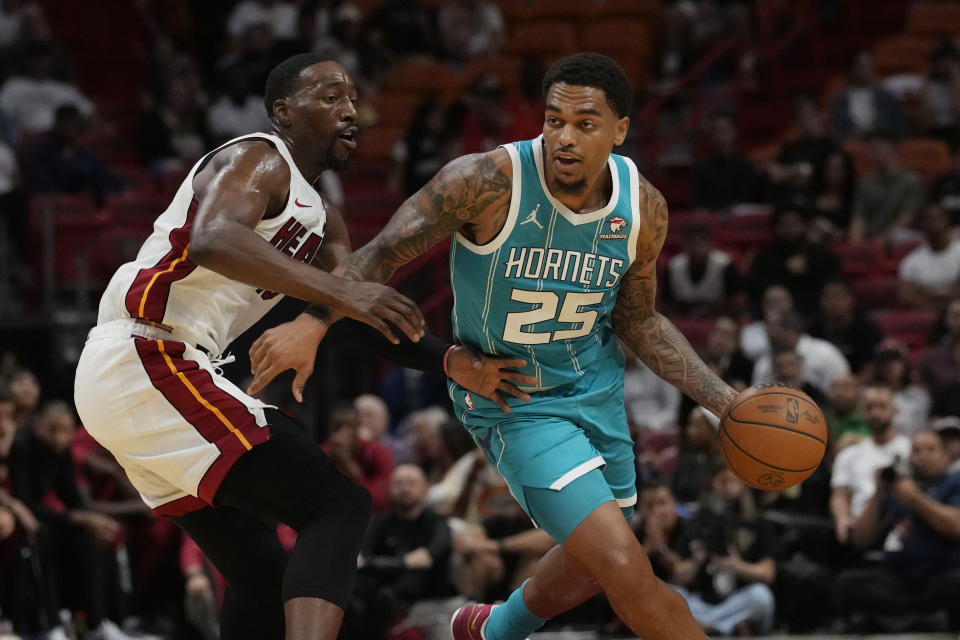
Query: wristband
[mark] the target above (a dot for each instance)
(446, 358)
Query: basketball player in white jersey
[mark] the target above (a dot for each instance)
(245, 226)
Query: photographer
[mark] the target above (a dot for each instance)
(915, 512)
(721, 561)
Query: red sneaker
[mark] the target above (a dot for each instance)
(468, 622)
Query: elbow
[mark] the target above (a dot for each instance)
(202, 246)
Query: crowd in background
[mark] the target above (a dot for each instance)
(870, 542)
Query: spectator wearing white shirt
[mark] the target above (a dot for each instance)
(282, 18)
(651, 402)
(31, 100)
(929, 273)
(855, 468)
(471, 29)
(822, 362)
(238, 111)
(754, 342)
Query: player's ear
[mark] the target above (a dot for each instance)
(280, 112)
(623, 124)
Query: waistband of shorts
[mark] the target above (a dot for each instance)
(132, 328)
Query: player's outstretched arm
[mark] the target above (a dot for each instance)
(236, 190)
(469, 190)
(655, 339)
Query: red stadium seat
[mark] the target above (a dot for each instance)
(861, 260)
(930, 157)
(695, 330)
(909, 326)
(934, 18)
(902, 54)
(545, 39)
(876, 293)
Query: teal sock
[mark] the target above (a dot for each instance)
(512, 620)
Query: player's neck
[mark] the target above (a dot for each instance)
(594, 196)
(307, 164)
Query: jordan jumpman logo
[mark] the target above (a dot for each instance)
(533, 217)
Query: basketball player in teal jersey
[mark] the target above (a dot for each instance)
(553, 258)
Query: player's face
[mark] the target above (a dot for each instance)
(322, 114)
(579, 131)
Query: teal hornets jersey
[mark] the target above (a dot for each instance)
(544, 288)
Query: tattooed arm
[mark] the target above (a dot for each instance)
(470, 194)
(652, 336)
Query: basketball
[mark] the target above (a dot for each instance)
(773, 436)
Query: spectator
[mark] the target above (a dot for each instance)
(855, 468)
(793, 260)
(945, 190)
(406, 27)
(892, 368)
(843, 413)
(173, 133)
(404, 557)
(787, 368)
(916, 512)
(888, 200)
(947, 327)
(949, 430)
(776, 300)
(374, 424)
(59, 162)
(26, 395)
(651, 402)
(833, 200)
(30, 100)
(938, 366)
(941, 94)
(863, 106)
(34, 31)
(238, 111)
(722, 564)
(366, 461)
(424, 149)
(471, 29)
(723, 350)
(83, 539)
(801, 164)
(702, 280)
(726, 177)
(840, 323)
(699, 447)
(425, 427)
(280, 17)
(488, 122)
(941, 365)
(822, 362)
(930, 274)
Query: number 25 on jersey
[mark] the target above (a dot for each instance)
(571, 311)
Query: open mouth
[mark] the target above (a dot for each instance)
(348, 138)
(565, 161)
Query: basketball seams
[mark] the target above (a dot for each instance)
(799, 395)
(723, 431)
(776, 426)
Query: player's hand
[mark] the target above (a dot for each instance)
(487, 375)
(291, 345)
(379, 306)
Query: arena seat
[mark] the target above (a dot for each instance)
(861, 261)
(544, 39)
(695, 330)
(934, 18)
(902, 54)
(909, 326)
(880, 292)
(930, 157)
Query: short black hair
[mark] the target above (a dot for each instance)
(285, 77)
(593, 70)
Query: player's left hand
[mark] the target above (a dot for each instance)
(291, 345)
(487, 375)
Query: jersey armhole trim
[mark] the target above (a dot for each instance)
(501, 237)
(634, 210)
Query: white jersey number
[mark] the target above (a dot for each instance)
(547, 302)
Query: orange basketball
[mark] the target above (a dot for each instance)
(773, 436)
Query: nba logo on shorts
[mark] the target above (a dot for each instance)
(468, 399)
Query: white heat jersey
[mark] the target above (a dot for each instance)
(164, 286)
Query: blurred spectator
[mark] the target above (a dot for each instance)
(407, 390)
(822, 362)
(425, 427)
(204, 589)
(776, 300)
(930, 274)
(470, 29)
(699, 447)
(888, 200)
(941, 94)
(855, 468)
(702, 280)
(83, 539)
(424, 149)
(344, 43)
(725, 177)
(374, 419)
(833, 200)
(280, 16)
(939, 364)
(367, 462)
(947, 327)
(854, 333)
(238, 111)
(723, 350)
(34, 31)
(488, 122)
(915, 511)
(721, 562)
(864, 106)
(652, 403)
(59, 162)
(404, 557)
(801, 164)
(11, 16)
(30, 100)
(173, 133)
(892, 368)
(843, 412)
(406, 27)
(26, 396)
(949, 430)
(787, 368)
(945, 189)
(793, 260)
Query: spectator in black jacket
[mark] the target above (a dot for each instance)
(726, 177)
(851, 331)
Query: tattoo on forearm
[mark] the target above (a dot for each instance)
(462, 191)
